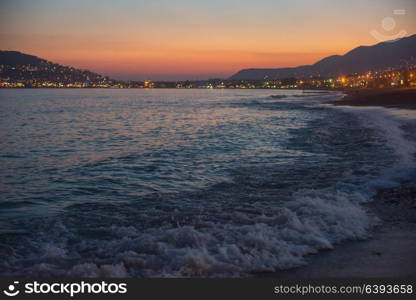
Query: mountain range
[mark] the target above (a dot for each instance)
(391, 54)
(361, 59)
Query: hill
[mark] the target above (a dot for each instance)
(34, 71)
(15, 58)
(383, 55)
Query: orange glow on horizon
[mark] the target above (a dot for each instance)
(157, 40)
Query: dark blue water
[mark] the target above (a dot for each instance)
(185, 182)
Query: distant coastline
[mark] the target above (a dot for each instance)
(383, 65)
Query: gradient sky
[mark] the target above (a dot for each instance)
(184, 39)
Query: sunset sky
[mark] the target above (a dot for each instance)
(184, 39)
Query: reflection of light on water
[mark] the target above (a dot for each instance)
(185, 183)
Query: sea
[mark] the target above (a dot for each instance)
(189, 182)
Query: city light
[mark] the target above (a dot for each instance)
(49, 75)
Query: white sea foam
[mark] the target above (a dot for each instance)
(272, 237)
(256, 237)
(267, 239)
(390, 124)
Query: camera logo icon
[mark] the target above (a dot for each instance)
(11, 289)
(389, 24)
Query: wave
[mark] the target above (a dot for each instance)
(264, 237)
(394, 126)
(228, 231)
(256, 238)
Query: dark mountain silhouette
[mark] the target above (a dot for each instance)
(361, 59)
(19, 66)
(15, 58)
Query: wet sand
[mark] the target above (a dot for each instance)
(393, 98)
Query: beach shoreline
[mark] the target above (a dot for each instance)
(390, 251)
(389, 98)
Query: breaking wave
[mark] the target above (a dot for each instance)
(261, 217)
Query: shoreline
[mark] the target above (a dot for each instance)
(390, 250)
(389, 98)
